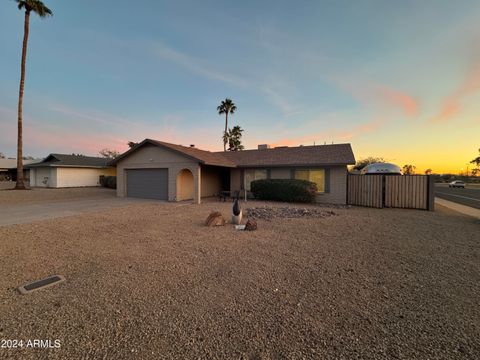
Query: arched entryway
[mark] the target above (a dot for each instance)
(185, 185)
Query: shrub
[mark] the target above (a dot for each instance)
(108, 181)
(288, 190)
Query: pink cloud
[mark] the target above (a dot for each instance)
(378, 96)
(45, 138)
(452, 104)
(399, 99)
(60, 140)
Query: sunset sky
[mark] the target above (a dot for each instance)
(396, 79)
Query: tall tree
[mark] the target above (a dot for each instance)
(42, 11)
(428, 172)
(235, 139)
(226, 107)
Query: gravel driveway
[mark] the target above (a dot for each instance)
(23, 207)
(41, 195)
(151, 282)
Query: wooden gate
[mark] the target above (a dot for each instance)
(395, 191)
(365, 190)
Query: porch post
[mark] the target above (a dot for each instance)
(198, 185)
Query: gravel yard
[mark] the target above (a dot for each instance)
(151, 282)
(6, 185)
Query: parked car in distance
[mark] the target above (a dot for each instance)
(457, 184)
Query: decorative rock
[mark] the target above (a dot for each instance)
(288, 212)
(251, 225)
(215, 219)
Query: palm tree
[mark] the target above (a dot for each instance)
(41, 10)
(235, 139)
(226, 107)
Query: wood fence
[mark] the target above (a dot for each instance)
(395, 191)
(365, 190)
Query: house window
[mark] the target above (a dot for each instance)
(254, 174)
(316, 176)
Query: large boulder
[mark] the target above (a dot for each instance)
(251, 225)
(215, 219)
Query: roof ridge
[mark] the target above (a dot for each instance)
(183, 146)
(283, 147)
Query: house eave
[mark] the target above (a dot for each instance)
(69, 166)
(292, 165)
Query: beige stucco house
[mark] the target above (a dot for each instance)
(61, 170)
(160, 170)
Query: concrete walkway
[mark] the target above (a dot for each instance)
(27, 213)
(466, 210)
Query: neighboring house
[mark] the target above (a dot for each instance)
(8, 169)
(160, 170)
(59, 170)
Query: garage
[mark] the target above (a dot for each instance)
(64, 171)
(159, 170)
(147, 183)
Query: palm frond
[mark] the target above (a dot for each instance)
(226, 106)
(36, 6)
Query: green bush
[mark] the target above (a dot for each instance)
(108, 181)
(288, 190)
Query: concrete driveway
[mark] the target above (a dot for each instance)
(26, 213)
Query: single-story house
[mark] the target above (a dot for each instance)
(160, 170)
(8, 169)
(60, 170)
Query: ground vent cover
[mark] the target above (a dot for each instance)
(41, 284)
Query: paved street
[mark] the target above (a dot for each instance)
(468, 196)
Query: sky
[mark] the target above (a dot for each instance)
(396, 79)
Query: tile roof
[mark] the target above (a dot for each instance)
(64, 160)
(318, 155)
(335, 154)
